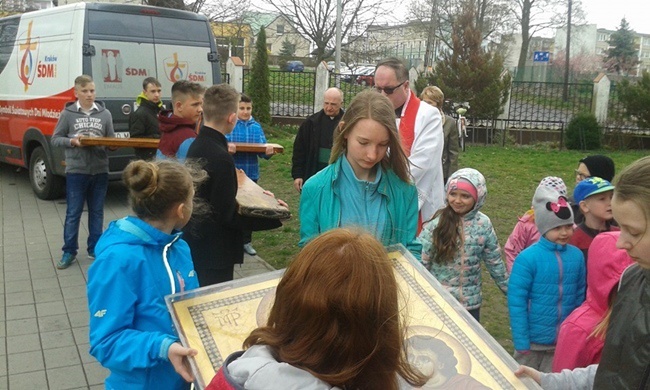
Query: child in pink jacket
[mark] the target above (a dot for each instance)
(582, 335)
(525, 232)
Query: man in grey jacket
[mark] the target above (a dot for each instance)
(86, 166)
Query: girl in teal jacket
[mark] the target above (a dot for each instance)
(364, 185)
(139, 261)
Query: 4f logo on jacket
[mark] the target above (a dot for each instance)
(100, 313)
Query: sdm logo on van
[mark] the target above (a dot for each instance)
(176, 70)
(27, 61)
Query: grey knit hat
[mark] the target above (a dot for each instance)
(553, 182)
(552, 209)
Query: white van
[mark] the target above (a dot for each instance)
(42, 52)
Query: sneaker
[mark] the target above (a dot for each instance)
(248, 248)
(66, 260)
(91, 255)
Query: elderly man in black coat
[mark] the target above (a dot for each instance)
(313, 143)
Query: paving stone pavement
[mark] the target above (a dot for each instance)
(44, 327)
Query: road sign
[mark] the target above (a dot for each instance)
(540, 56)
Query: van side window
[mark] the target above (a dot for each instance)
(8, 31)
(180, 30)
(118, 24)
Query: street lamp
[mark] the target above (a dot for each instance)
(565, 92)
(337, 55)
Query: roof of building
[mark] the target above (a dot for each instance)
(257, 20)
(412, 24)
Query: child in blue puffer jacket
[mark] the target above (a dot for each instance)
(547, 282)
(140, 260)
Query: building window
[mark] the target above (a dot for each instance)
(238, 45)
(280, 29)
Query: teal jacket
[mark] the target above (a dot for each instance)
(320, 208)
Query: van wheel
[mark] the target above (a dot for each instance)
(45, 184)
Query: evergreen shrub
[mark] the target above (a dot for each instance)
(583, 133)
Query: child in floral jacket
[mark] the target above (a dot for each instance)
(458, 237)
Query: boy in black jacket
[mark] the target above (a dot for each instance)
(216, 239)
(143, 123)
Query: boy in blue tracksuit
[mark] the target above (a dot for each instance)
(139, 261)
(547, 281)
(247, 130)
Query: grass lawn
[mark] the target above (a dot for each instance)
(512, 174)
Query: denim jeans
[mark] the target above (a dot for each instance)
(80, 189)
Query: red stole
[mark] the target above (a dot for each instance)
(407, 123)
(407, 132)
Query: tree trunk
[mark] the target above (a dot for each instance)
(431, 36)
(525, 39)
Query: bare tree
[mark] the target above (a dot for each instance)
(215, 10)
(582, 66)
(220, 10)
(491, 19)
(316, 19)
(470, 71)
(536, 15)
(176, 4)
(8, 8)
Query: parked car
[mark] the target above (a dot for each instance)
(342, 66)
(367, 77)
(360, 69)
(350, 74)
(294, 66)
(347, 75)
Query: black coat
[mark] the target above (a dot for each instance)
(304, 162)
(143, 123)
(216, 239)
(625, 362)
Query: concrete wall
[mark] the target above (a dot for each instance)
(600, 101)
(583, 39)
